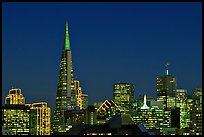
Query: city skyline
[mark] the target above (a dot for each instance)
(105, 47)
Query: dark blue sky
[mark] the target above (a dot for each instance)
(110, 42)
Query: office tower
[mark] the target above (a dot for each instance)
(84, 101)
(78, 92)
(106, 110)
(171, 121)
(74, 117)
(90, 115)
(167, 118)
(16, 118)
(123, 96)
(181, 102)
(196, 113)
(15, 96)
(189, 110)
(158, 111)
(146, 116)
(171, 102)
(39, 118)
(66, 98)
(166, 89)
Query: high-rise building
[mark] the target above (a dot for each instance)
(196, 113)
(123, 96)
(15, 96)
(16, 118)
(189, 110)
(145, 116)
(78, 92)
(75, 117)
(90, 115)
(39, 118)
(84, 101)
(181, 102)
(66, 98)
(166, 89)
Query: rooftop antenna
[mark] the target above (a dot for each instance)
(166, 68)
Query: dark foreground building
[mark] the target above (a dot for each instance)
(113, 126)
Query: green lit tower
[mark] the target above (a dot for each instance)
(66, 98)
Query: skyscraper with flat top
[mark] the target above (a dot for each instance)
(66, 98)
(166, 89)
(123, 96)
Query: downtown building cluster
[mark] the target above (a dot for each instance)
(19, 118)
(173, 112)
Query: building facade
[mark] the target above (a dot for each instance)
(85, 101)
(123, 96)
(181, 102)
(66, 97)
(39, 119)
(90, 115)
(196, 113)
(16, 118)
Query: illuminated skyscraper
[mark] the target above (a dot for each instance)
(78, 92)
(123, 96)
(166, 89)
(39, 118)
(150, 116)
(66, 98)
(181, 102)
(15, 97)
(189, 109)
(196, 113)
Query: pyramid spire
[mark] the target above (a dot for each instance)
(66, 37)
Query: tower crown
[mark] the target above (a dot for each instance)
(66, 38)
(145, 104)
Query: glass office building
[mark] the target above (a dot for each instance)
(123, 96)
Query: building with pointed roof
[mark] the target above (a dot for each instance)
(66, 97)
(145, 104)
(106, 110)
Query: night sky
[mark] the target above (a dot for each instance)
(110, 42)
